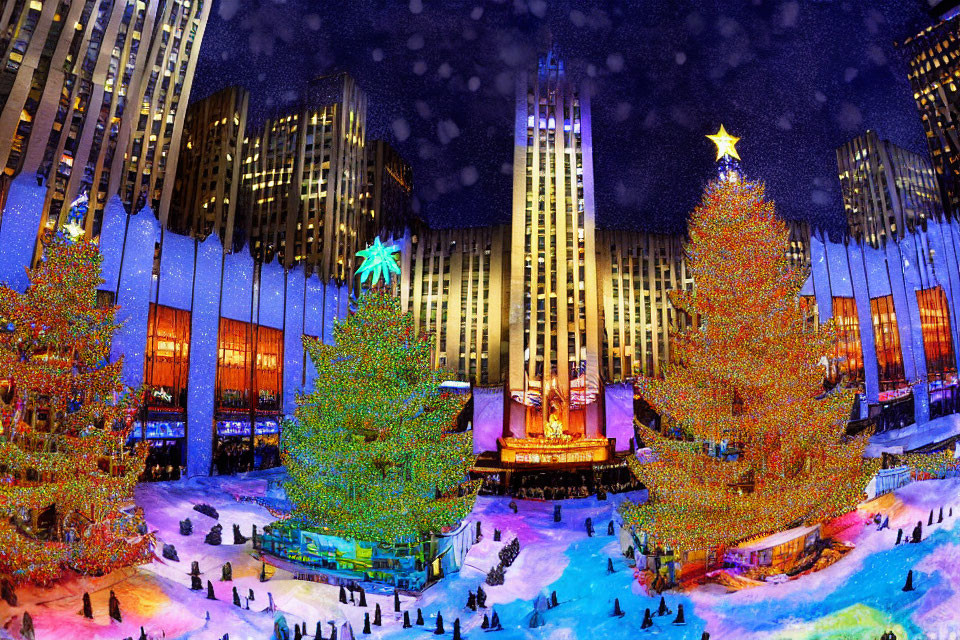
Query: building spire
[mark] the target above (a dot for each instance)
(728, 160)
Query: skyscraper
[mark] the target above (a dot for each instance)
(934, 60)
(453, 282)
(303, 177)
(637, 270)
(388, 195)
(887, 191)
(206, 191)
(554, 326)
(93, 96)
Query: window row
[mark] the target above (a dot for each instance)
(249, 364)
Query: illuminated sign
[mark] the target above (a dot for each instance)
(545, 452)
(266, 427)
(159, 430)
(242, 427)
(233, 428)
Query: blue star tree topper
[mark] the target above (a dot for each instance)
(379, 261)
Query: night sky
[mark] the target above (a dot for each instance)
(795, 79)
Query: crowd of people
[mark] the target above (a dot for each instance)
(163, 462)
(618, 479)
(234, 455)
(560, 485)
(266, 456)
(550, 486)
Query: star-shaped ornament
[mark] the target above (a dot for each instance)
(74, 230)
(379, 260)
(726, 144)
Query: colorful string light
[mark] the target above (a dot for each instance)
(54, 357)
(370, 455)
(747, 373)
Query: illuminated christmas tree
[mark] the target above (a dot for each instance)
(64, 475)
(747, 373)
(371, 455)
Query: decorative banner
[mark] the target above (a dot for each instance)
(487, 418)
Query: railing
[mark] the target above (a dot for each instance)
(888, 480)
(856, 427)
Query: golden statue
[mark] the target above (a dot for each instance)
(553, 403)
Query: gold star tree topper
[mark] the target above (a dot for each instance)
(726, 144)
(73, 230)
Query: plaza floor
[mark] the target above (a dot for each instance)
(858, 597)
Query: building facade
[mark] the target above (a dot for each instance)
(92, 99)
(887, 190)
(207, 188)
(214, 337)
(637, 272)
(453, 281)
(933, 56)
(897, 307)
(303, 178)
(547, 317)
(554, 353)
(388, 192)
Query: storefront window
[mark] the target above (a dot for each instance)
(269, 368)
(249, 374)
(848, 357)
(886, 337)
(234, 358)
(935, 324)
(167, 358)
(938, 347)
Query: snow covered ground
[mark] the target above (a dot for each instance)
(858, 597)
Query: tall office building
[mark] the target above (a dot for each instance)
(934, 61)
(554, 351)
(207, 188)
(303, 177)
(388, 193)
(453, 282)
(548, 317)
(799, 239)
(637, 270)
(93, 94)
(887, 191)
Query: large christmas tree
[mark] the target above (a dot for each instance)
(747, 373)
(371, 455)
(64, 475)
